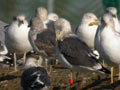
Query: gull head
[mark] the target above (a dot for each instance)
(19, 19)
(112, 11)
(90, 19)
(36, 25)
(62, 27)
(106, 20)
(53, 17)
(31, 62)
(42, 13)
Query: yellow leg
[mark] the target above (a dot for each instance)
(56, 61)
(41, 60)
(46, 64)
(50, 69)
(119, 73)
(15, 68)
(112, 75)
(103, 62)
(24, 58)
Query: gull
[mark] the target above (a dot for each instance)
(16, 37)
(34, 77)
(87, 29)
(3, 48)
(113, 12)
(42, 13)
(107, 41)
(47, 19)
(74, 53)
(53, 17)
(36, 26)
(44, 31)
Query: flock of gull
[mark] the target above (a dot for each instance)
(48, 35)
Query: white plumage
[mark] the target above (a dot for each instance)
(16, 37)
(107, 40)
(87, 29)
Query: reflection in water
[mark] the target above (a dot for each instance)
(72, 10)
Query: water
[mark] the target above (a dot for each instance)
(72, 10)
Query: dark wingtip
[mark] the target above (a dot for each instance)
(105, 70)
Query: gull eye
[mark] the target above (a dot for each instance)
(89, 16)
(14, 18)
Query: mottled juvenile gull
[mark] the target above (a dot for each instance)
(45, 35)
(36, 26)
(42, 13)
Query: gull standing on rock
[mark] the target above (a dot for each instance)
(34, 77)
(16, 37)
(107, 41)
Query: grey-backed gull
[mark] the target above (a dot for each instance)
(72, 52)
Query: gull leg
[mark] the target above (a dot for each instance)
(15, 66)
(50, 69)
(15, 59)
(46, 64)
(41, 60)
(24, 58)
(71, 78)
(103, 63)
(56, 61)
(77, 75)
(112, 75)
(119, 73)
